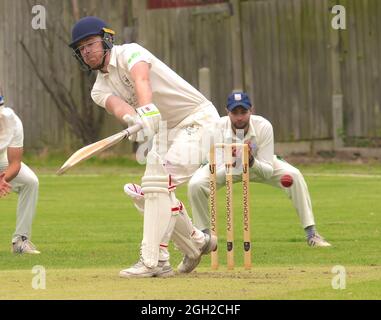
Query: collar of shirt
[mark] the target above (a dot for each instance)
(230, 136)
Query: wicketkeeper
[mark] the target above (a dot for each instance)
(18, 177)
(136, 87)
(242, 126)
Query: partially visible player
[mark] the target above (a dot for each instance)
(18, 177)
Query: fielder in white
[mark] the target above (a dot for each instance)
(136, 87)
(16, 176)
(241, 126)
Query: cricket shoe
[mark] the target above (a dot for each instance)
(316, 240)
(23, 245)
(139, 270)
(188, 264)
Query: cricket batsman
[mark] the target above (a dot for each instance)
(136, 87)
(16, 176)
(242, 126)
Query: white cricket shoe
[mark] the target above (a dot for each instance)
(23, 245)
(139, 270)
(188, 264)
(316, 240)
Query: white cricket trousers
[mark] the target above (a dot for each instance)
(198, 191)
(25, 184)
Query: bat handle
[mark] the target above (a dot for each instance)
(133, 129)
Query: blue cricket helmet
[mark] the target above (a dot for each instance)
(87, 27)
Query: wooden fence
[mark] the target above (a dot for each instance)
(361, 68)
(44, 127)
(288, 60)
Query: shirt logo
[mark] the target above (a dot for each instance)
(191, 130)
(133, 56)
(131, 99)
(127, 81)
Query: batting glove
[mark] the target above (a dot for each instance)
(130, 121)
(150, 116)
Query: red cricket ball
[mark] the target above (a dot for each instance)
(286, 180)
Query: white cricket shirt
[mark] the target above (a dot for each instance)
(14, 134)
(173, 96)
(261, 137)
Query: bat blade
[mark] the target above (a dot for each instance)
(96, 148)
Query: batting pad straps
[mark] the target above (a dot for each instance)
(152, 184)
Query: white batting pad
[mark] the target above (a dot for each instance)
(158, 218)
(182, 235)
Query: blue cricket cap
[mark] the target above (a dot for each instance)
(238, 99)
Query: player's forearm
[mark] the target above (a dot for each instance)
(119, 108)
(143, 91)
(263, 169)
(12, 171)
(14, 162)
(263, 163)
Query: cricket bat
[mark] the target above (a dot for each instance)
(97, 147)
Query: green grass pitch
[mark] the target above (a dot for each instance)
(88, 230)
